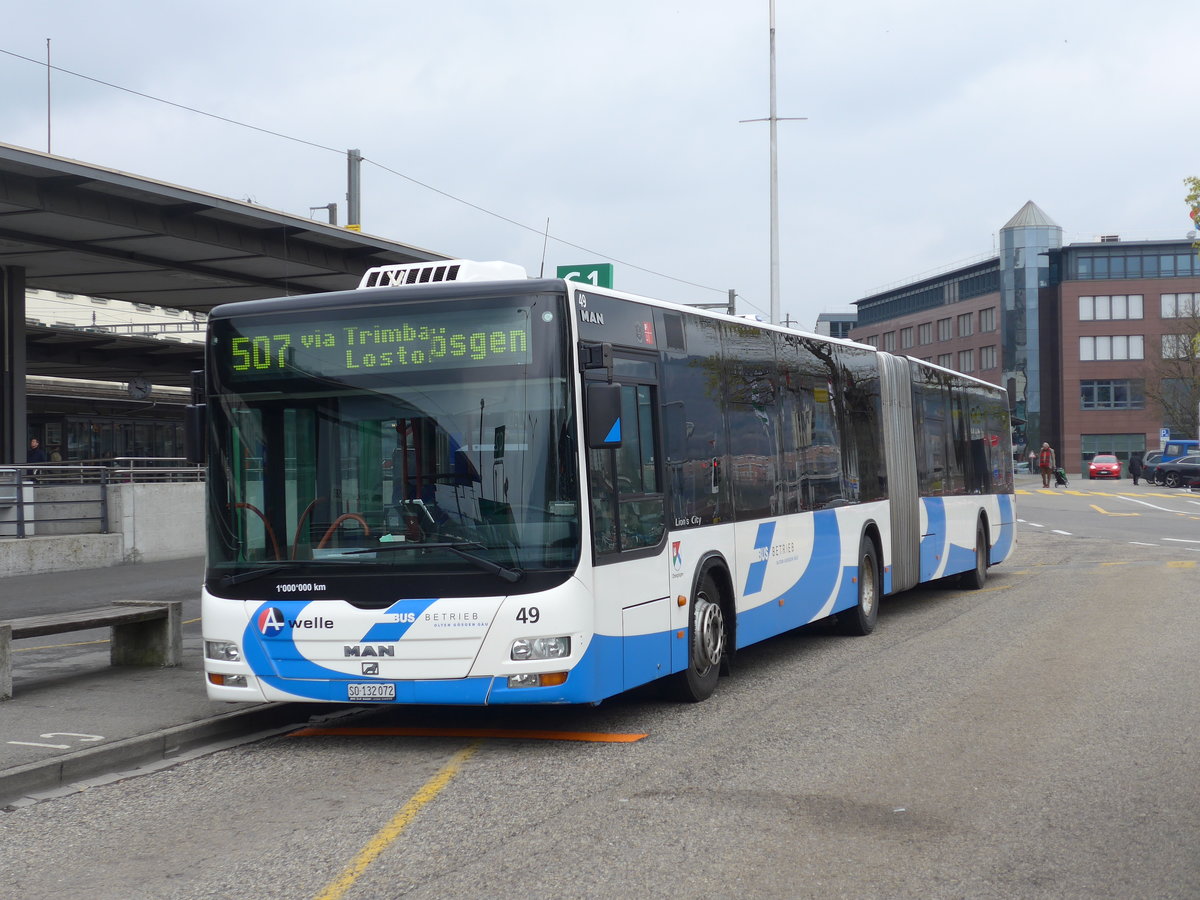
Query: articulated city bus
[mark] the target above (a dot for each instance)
(459, 485)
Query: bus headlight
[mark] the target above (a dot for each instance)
(540, 648)
(533, 679)
(224, 651)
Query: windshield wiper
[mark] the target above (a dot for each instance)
(460, 548)
(250, 575)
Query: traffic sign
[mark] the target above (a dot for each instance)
(595, 274)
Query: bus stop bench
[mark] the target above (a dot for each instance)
(144, 633)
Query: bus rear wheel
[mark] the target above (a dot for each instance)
(861, 618)
(976, 577)
(706, 645)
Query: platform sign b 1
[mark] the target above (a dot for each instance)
(595, 274)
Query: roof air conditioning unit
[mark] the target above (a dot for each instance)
(436, 272)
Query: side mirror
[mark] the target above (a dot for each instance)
(195, 418)
(602, 411)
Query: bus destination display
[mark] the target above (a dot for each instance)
(376, 343)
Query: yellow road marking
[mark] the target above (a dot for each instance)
(58, 646)
(1105, 512)
(389, 832)
(1182, 564)
(405, 731)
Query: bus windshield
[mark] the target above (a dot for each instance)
(433, 440)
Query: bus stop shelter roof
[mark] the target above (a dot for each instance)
(73, 227)
(82, 229)
(61, 352)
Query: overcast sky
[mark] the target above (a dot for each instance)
(929, 124)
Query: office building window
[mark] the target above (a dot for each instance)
(906, 338)
(1180, 306)
(988, 358)
(1115, 346)
(1113, 393)
(925, 333)
(1104, 309)
(1181, 346)
(946, 360)
(964, 325)
(944, 329)
(966, 360)
(889, 341)
(987, 320)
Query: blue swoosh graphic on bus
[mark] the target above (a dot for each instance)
(821, 579)
(933, 542)
(390, 632)
(757, 571)
(1008, 530)
(596, 675)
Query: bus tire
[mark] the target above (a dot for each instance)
(706, 644)
(977, 577)
(861, 618)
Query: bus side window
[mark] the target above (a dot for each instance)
(638, 483)
(627, 498)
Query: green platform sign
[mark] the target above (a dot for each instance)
(595, 274)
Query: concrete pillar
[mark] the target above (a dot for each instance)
(12, 365)
(5, 662)
(155, 643)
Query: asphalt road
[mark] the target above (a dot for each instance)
(1033, 739)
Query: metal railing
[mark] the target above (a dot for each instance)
(122, 469)
(26, 489)
(18, 497)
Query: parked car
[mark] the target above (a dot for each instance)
(1104, 465)
(1149, 461)
(1182, 472)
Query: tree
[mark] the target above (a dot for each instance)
(1173, 367)
(1192, 183)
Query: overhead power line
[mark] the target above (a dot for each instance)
(376, 163)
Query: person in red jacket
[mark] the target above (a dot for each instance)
(1046, 464)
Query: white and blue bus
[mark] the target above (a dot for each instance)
(460, 485)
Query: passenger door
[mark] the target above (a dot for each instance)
(629, 529)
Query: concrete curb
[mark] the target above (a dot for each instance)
(62, 771)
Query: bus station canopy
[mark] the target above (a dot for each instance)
(82, 229)
(70, 227)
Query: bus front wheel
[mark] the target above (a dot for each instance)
(706, 644)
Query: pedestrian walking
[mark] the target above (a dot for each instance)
(1135, 466)
(1046, 463)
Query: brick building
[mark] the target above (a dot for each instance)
(1086, 337)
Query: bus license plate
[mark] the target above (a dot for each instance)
(380, 690)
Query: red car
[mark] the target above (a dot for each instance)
(1104, 465)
